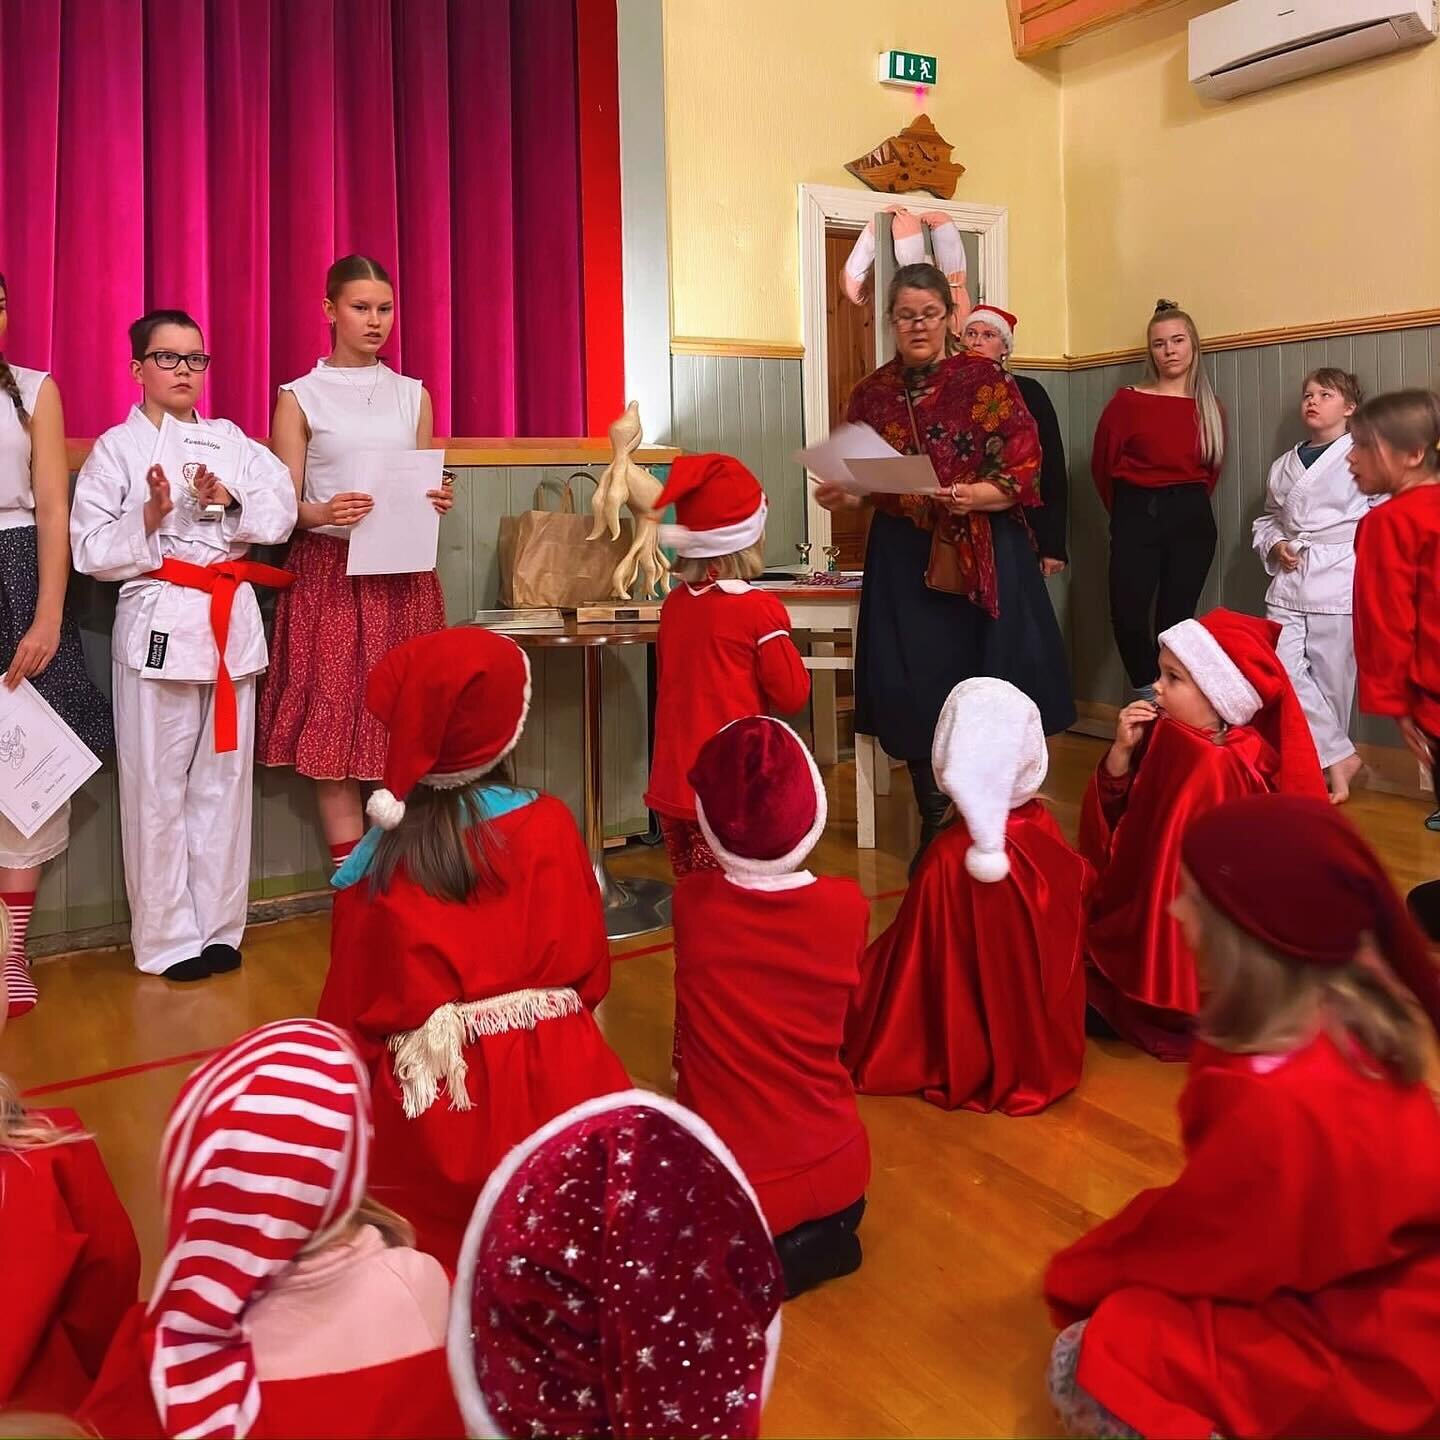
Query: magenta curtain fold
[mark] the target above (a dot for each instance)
(217, 155)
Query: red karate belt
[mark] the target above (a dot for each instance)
(221, 580)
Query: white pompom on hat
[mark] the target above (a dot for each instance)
(989, 757)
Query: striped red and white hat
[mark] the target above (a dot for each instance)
(267, 1149)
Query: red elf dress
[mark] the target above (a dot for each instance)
(70, 1264)
(1288, 1282)
(975, 995)
(473, 1016)
(1142, 976)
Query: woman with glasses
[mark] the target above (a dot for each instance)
(332, 628)
(952, 586)
(39, 641)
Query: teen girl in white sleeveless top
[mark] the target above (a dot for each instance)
(39, 641)
(331, 629)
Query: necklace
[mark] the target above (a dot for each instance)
(374, 385)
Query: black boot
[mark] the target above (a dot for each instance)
(820, 1250)
(932, 803)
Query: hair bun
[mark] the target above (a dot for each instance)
(1161, 306)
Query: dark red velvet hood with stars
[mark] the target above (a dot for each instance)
(617, 1279)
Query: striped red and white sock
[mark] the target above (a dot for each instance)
(18, 982)
(340, 853)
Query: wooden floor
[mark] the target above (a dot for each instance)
(941, 1333)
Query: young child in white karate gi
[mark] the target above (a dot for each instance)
(1306, 541)
(186, 648)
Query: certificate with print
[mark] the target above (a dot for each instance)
(182, 451)
(856, 459)
(43, 762)
(401, 535)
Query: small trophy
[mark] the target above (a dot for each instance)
(804, 548)
(832, 558)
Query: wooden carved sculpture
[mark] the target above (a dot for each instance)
(623, 482)
(918, 158)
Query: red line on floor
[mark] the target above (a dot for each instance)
(648, 950)
(889, 894)
(119, 1074)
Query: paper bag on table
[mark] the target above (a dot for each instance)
(547, 558)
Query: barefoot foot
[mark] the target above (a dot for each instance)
(1339, 776)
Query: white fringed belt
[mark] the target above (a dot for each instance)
(434, 1053)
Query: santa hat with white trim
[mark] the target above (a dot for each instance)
(759, 799)
(1231, 657)
(719, 507)
(1001, 320)
(989, 757)
(455, 703)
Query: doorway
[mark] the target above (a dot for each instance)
(850, 356)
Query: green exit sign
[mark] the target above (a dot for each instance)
(903, 67)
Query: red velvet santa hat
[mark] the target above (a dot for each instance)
(759, 799)
(617, 1278)
(1001, 320)
(990, 758)
(1232, 658)
(455, 703)
(719, 507)
(1294, 873)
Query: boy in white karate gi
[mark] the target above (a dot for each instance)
(186, 649)
(1306, 541)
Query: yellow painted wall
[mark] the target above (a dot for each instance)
(1318, 200)
(762, 95)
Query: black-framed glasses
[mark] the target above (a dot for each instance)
(906, 321)
(197, 360)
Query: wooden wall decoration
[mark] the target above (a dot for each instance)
(918, 158)
(1040, 25)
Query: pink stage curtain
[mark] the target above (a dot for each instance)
(217, 155)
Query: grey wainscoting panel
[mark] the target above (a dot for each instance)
(84, 889)
(749, 408)
(1260, 389)
(1057, 386)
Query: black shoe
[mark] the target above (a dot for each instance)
(1424, 905)
(820, 1250)
(221, 959)
(196, 968)
(1097, 1026)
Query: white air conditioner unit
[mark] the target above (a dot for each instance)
(1254, 44)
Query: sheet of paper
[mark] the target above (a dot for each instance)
(181, 450)
(43, 762)
(855, 458)
(401, 535)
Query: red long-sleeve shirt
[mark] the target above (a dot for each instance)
(1148, 441)
(724, 651)
(1397, 607)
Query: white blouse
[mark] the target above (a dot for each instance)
(349, 410)
(17, 494)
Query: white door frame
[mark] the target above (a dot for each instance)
(834, 205)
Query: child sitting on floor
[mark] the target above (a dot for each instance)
(1288, 1282)
(766, 958)
(724, 649)
(1225, 723)
(67, 1252)
(287, 1303)
(975, 995)
(617, 1280)
(468, 944)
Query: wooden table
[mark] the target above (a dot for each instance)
(826, 609)
(634, 906)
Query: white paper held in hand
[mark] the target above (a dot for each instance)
(856, 459)
(401, 535)
(43, 762)
(181, 451)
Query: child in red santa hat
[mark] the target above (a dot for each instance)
(1225, 722)
(724, 649)
(288, 1302)
(975, 995)
(1288, 1282)
(468, 944)
(766, 959)
(68, 1256)
(617, 1279)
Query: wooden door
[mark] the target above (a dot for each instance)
(850, 340)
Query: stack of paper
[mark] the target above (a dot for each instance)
(856, 459)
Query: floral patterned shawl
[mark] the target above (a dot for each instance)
(971, 421)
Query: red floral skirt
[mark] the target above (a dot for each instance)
(331, 630)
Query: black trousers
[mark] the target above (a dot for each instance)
(1162, 543)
